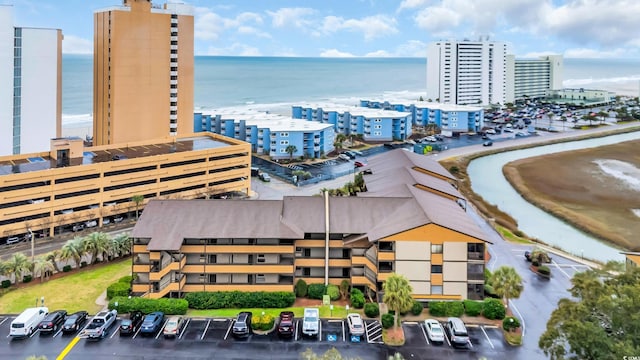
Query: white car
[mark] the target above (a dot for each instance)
(344, 157)
(435, 333)
(490, 131)
(356, 326)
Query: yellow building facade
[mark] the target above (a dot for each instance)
(51, 192)
(143, 72)
(268, 245)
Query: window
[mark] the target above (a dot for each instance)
(377, 133)
(436, 248)
(283, 151)
(436, 269)
(284, 142)
(260, 278)
(436, 289)
(284, 134)
(377, 126)
(261, 258)
(475, 247)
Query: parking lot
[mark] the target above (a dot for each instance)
(205, 333)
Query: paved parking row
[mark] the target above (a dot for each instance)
(481, 337)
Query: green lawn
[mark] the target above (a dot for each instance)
(325, 312)
(76, 291)
(509, 236)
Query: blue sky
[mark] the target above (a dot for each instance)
(575, 28)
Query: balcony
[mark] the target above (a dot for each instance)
(174, 56)
(174, 47)
(362, 260)
(363, 280)
(172, 286)
(174, 38)
(172, 266)
(238, 269)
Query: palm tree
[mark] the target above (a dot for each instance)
(603, 116)
(17, 265)
(72, 249)
(397, 294)
(53, 257)
(506, 283)
(137, 199)
(290, 150)
(340, 138)
(97, 243)
(42, 267)
(121, 244)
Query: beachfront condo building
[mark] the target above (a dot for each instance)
(371, 124)
(531, 79)
(411, 221)
(467, 72)
(142, 72)
(581, 97)
(30, 86)
(449, 118)
(277, 136)
(72, 187)
(632, 259)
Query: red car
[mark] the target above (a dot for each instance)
(358, 164)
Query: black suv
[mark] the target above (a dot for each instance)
(132, 324)
(52, 322)
(286, 326)
(242, 325)
(74, 322)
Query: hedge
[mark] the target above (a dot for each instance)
(301, 288)
(167, 306)
(27, 278)
(6, 283)
(238, 299)
(454, 308)
(316, 291)
(416, 308)
(510, 323)
(357, 298)
(472, 308)
(66, 268)
(371, 310)
(437, 308)
(118, 289)
(387, 321)
(493, 309)
(334, 292)
(126, 279)
(263, 322)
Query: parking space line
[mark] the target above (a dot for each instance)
(114, 332)
(137, 332)
(229, 329)
(487, 336)
(426, 338)
(3, 320)
(184, 328)
(297, 327)
(205, 330)
(519, 316)
(58, 333)
(68, 348)
(161, 328)
(559, 268)
(320, 331)
(35, 332)
(446, 337)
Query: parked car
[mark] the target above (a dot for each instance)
(27, 322)
(91, 223)
(434, 330)
(132, 324)
(100, 325)
(264, 177)
(74, 322)
(242, 325)
(152, 323)
(52, 322)
(286, 325)
(311, 322)
(356, 325)
(13, 240)
(350, 154)
(457, 332)
(358, 164)
(118, 219)
(490, 131)
(487, 143)
(173, 327)
(78, 227)
(344, 157)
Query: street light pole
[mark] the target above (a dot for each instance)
(33, 240)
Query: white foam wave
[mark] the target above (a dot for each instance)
(70, 120)
(636, 212)
(628, 173)
(623, 85)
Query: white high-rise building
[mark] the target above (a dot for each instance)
(467, 72)
(30, 86)
(533, 78)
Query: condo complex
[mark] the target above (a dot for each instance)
(411, 220)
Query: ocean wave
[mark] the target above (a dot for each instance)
(624, 85)
(628, 173)
(71, 120)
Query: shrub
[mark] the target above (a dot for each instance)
(66, 268)
(83, 264)
(493, 309)
(535, 263)
(454, 308)
(510, 323)
(544, 270)
(126, 279)
(316, 291)
(357, 298)
(167, 306)
(301, 288)
(237, 299)
(487, 275)
(387, 321)
(344, 288)
(263, 322)
(371, 310)
(118, 289)
(334, 292)
(416, 308)
(6, 283)
(27, 278)
(437, 308)
(472, 308)
(518, 233)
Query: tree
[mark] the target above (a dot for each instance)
(340, 138)
(506, 283)
(53, 257)
(121, 244)
(137, 199)
(97, 243)
(42, 267)
(600, 321)
(72, 250)
(603, 116)
(397, 295)
(17, 265)
(291, 149)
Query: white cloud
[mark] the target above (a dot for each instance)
(536, 54)
(76, 45)
(296, 17)
(209, 26)
(248, 30)
(595, 54)
(412, 4)
(335, 53)
(236, 49)
(412, 48)
(371, 26)
(438, 19)
(378, 53)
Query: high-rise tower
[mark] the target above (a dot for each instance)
(143, 72)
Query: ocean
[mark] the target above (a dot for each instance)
(276, 83)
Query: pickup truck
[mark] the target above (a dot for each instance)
(311, 322)
(100, 325)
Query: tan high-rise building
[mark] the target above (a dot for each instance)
(143, 72)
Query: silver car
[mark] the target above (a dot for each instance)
(435, 333)
(356, 325)
(173, 327)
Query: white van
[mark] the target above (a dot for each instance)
(27, 322)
